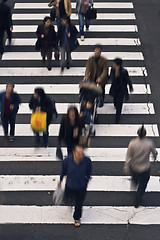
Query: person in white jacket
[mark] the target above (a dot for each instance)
(138, 162)
(81, 9)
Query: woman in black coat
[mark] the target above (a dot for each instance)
(119, 90)
(70, 129)
(40, 102)
(48, 40)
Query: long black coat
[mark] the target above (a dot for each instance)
(73, 34)
(46, 105)
(49, 40)
(5, 16)
(120, 84)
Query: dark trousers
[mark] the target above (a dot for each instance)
(78, 196)
(140, 180)
(65, 55)
(9, 36)
(118, 99)
(6, 120)
(47, 53)
(45, 138)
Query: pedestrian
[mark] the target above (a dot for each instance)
(48, 39)
(9, 105)
(81, 9)
(70, 129)
(119, 87)
(77, 168)
(66, 34)
(138, 164)
(97, 71)
(41, 102)
(6, 24)
(64, 9)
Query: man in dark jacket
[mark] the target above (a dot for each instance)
(119, 91)
(48, 40)
(78, 168)
(5, 24)
(9, 105)
(40, 102)
(67, 33)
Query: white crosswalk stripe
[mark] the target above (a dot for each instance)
(28, 74)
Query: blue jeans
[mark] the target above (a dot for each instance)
(45, 138)
(6, 120)
(81, 23)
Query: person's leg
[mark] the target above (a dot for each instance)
(4, 120)
(87, 22)
(101, 97)
(143, 179)
(49, 58)
(79, 200)
(58, 21)
(37, 139)
(68, 56)
(119, 104)
(12, 120)
(63, 62)
(45, 137)
(134, 180)
(1, 41)
(68, 196)
(9, 35)
(43, 54)
(81, 23)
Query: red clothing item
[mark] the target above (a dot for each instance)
(6, 107)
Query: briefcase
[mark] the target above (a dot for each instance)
(91, 13)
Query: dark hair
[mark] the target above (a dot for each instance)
(10, 84)
(99, 46)
(46, 19)
(77, 117)
(141, 132)
(40, 92)
(67, 18)
(118, 61)
(77, 145)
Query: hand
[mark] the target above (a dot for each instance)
(69, 35)
(85, 79)
(98, 80)
(42, 36)
(11, 28)
(86, 3)
(59, 183)
(38, 109)
(11, 107)
(57, 5)
(75, 132)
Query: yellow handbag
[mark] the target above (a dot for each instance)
(39, 121)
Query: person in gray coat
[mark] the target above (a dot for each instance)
(81, 9)
(138, 163)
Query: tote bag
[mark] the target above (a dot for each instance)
(39, 121)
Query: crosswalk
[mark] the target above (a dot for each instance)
(26, 171)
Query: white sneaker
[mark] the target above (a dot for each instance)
(82, 38)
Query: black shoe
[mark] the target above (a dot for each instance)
(43, 59)
(62, 70)
(68, 66)
(49, 68)
(136, 205)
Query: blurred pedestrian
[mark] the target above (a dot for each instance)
(64, 9)
(97, 71)
(119, 87)
(9, 105)
(81, 9)
(77, 168)
(138, 164)
(41, 102)
(70, 129)
(66, 34)
(6, 24)
(48, 39)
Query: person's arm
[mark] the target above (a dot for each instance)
(128, 81)
(10, 18)
(61, 132)
(38, 32)
(89, 170)
(87, 72)
(104, 75)
(128, 159)
(154, 152)
(63, 171)
(32, 104)
(17, 101)
(69, 10)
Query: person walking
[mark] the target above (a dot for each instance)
(138, 164)
(40, 102)
(66, 34)
(9, 105)
(97, 71)
(48, 39)
(6, 24)
(64, 9)
(119, 87)
(77, 168)
(70, 129)
(81, 9)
